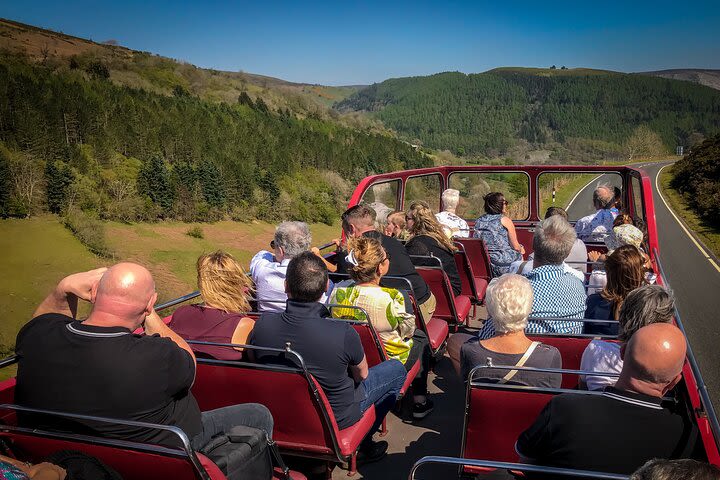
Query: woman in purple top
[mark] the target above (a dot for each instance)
(224, 287)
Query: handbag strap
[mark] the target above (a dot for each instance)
(520, 362)
(522, 267)
(277, 459)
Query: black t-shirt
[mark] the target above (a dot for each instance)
(327, 347)
(400, 265)
(427, 246)
(67, 366)
(596, 307)
(615, 432)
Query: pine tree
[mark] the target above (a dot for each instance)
(211, 184)
(244, 99)
(59, 177)
(154, 181)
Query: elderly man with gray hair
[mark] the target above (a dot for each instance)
(597, 226)
(557, 293)
(268, 269)
(448, 218)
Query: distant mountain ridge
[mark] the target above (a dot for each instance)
(703, 76)
(573, 112)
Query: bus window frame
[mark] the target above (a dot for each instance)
(399, 194)
(443, 186)
(489, 172)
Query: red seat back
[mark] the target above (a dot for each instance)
(298, 416)
(467, 279)
(132, 462)
(373, 348)
(478, 256)
(495, 417)
(439, 284)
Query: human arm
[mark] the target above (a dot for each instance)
(331, 267)
(357, 363)
(512, 234)
(595, 256)
(405, 321)
(46, 471)
(154, 325)
(64, 298)
(242, 332)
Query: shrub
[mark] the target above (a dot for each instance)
(89, 230)
(697, 177)
(195, 232)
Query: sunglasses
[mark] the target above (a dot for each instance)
(272, 244)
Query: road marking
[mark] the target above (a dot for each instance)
(578, 192)
(687, 232)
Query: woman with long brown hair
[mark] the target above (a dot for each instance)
(625, 269)
(428, 238)
(386, 312)
(224, 288)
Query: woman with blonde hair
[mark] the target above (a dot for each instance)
(385, 308)
(224, 287)
(427, 238)
(395, 226)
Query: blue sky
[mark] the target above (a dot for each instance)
(344, 42)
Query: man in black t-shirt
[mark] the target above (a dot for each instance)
(99, 367)
(331, 350)
(360, 221)
(624, 427)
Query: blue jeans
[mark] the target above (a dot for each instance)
(382, 387)
(221, 420)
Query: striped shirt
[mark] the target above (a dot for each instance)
(556, 293)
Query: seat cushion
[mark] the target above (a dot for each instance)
(437, 331)
(463, 304)
(349, 438)
(412, 373)
(481, 287)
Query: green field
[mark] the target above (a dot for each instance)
(39, 251)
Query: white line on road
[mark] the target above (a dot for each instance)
(687, 232)
(578, 192)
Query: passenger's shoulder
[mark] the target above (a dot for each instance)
(43, 323)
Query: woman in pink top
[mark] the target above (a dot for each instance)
(224, 287)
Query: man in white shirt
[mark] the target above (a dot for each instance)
(268, 269)
(595, 227)
(455, 225)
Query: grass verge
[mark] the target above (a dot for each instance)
(709, 234)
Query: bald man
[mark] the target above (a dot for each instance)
(621, 428)
(595, 227)
(99, 367)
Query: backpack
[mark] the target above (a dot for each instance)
(80, 466)
(244, 453)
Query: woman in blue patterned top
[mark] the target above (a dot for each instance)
(498, 232)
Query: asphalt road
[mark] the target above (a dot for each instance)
(692, 276)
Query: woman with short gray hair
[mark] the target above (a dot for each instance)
(509, 301)
(643, 306)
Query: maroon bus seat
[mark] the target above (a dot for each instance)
(453, 309)
(496, 415)
(436, 329)
(477, 254)
(472, 286)
(304, 421)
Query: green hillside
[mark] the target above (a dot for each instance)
(71, 137)
(560, 109)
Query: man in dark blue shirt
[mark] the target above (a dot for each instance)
(331, 350)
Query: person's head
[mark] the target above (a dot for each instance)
(554, 238)
(368, 259)
(450, 199)
(653, 359)
(625, 272)
(683, 468)
(358, 220)
(291, 239)
(306, 279)
(421, 221)
(495, 203)
(644, 306)
(604, 197)
(617, 198)
(395, 224)
(124, 296)
(625, 234)
(222, 282)
(509, 302)
(556, 211)
(623, 219)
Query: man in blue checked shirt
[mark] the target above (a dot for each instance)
(557, 294)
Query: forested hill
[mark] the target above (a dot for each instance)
(72, 138)
(487, 113)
